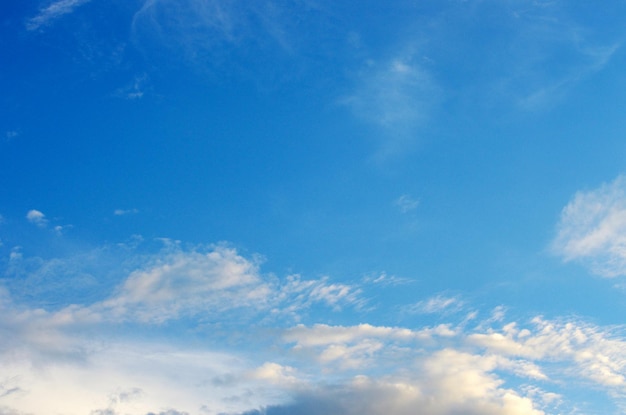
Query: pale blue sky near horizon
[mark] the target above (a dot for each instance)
(312, 207)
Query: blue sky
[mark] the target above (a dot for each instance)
(311, 207)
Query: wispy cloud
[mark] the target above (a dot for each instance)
(176, 283)
(52, 12)
(436, 304)
(550, 51)
(406, 203)
(123, 212)
(592, 229)
(397, 96)
(208, 34)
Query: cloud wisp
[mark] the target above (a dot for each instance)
(52, 12)
(592, 229)
(397, 96)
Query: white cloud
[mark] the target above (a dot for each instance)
(52, 12)
(592, 229)
(492, 367)
(186, 283)
(322, 334)
(274, 373)
(446, 383)
(126, 378)
(37, 217)
(592, 352)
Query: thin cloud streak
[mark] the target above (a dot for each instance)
(53, 12)
(592, 229)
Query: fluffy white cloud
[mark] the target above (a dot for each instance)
(37, 217)
(592, 229)
(185, 283)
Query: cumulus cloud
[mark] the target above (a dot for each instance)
(592, 229)
(36, 217)
(451, 382)
(52, 12)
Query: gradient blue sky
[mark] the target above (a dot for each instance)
(312, 207)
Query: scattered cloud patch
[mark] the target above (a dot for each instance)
(36, 217)
(592, 229)
(53, 12)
